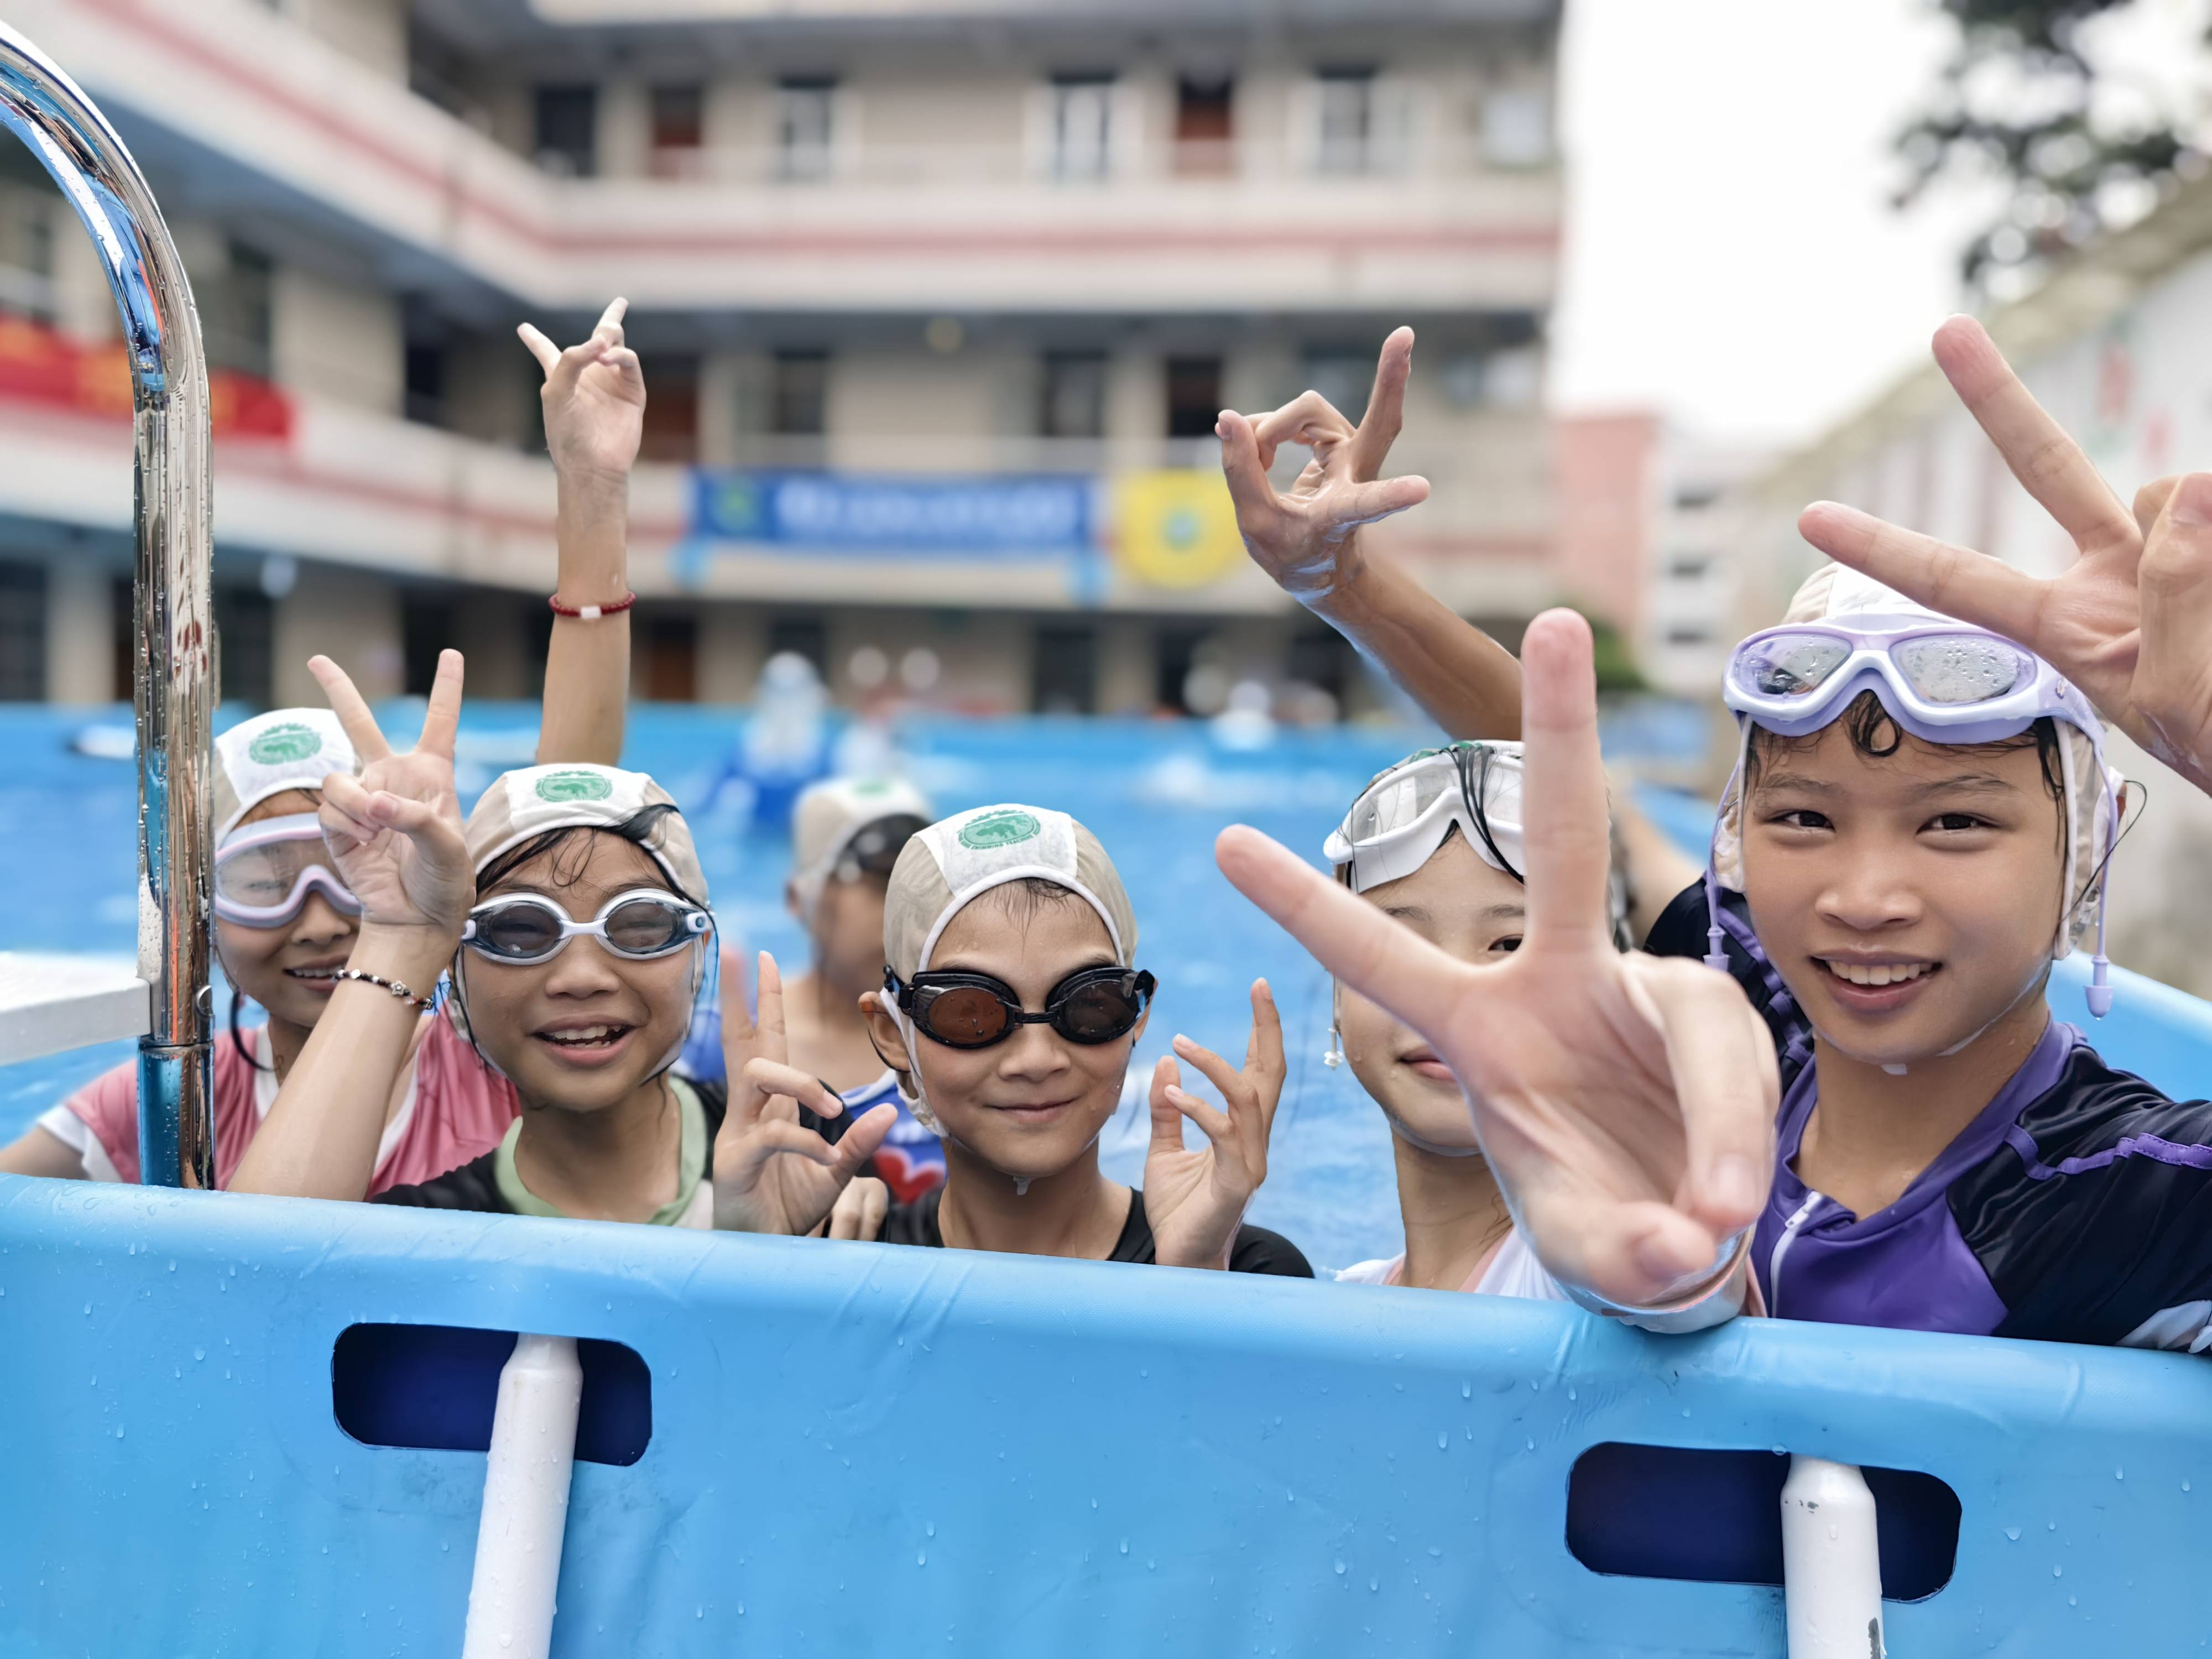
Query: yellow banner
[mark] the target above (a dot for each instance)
(1175, 528)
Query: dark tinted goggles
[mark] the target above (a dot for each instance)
(524, 928)
(875, 847)
(974, 1011)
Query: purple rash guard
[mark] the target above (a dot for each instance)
(2076, 1207)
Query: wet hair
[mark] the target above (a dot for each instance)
(1877, 736)
(638, 829)
(1023, 896)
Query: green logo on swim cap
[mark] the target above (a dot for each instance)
(558, 787)
(281, 743)
(1000, 829)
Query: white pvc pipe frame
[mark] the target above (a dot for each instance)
(1831, 1563)
(525, 1501)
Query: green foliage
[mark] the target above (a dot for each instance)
(1617, 672)
(2018, 98)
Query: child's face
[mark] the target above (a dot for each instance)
(1030, 1106)
(1469, 909)
(1935, 870)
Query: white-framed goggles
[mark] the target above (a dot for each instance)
(263, 873)
(1943, 681)
(523, 929)
(1399, 820)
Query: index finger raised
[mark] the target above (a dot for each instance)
(547, 354)
(1567, 828)
(351, 708)
(1375, 955)
(609, 325)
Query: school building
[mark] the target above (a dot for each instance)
(937, 303)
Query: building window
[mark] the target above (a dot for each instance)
(1205, 129)
(670, 664)
(800, 636)
(22, 633)
(1082, 125)
(568, 140)
(679, 130)
(799, 399)
(1175, 656)
(1688, 567)
(1688, 634)
(245, 641)
(425, 627)
(425, 369)
(1194, 396)
(235, 315)
(1346, 116)
(805, 118)
(1344, 375)
(1517, 127)
(1074, 395)
(672, 413)
(1064, 672)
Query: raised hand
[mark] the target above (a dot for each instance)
(1306, 536)
(395, 831)
(1195, 1200)
(1625, 1102)
(593, 396)
(2128, 622)
(772, 1173)
(859, 1211)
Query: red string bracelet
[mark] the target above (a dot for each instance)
(592, 612)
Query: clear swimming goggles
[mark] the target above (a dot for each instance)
(1399, 819)
(263, 873)
(1944, 681)
(524, 929)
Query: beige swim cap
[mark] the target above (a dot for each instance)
(831, 815)
(537, 799)
(284, 749)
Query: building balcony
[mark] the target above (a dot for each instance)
(250, 112)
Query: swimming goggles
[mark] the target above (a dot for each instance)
(975, 1011)
(1945, 682)
(1403, 817)
(1941, 680)
(263, 873)
(523, 929)
(873, 848)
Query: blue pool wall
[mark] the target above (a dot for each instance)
(859, 1449)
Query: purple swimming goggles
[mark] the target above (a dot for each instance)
(263, 873)
(1943, 681)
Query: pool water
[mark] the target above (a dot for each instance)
(1155, 792)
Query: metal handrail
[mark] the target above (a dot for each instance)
(173, 676)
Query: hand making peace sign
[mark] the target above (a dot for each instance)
(395, 831)
(1196, 1200)
(1625, 1102)
(2130, 622)
(593, 396)
(772, 1173)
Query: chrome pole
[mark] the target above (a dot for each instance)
(173, 676)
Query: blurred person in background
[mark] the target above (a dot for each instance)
(285, 919)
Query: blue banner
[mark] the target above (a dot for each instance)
(947, 516)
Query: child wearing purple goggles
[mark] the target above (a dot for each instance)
(1919, 824)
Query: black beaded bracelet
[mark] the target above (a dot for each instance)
(395, 986)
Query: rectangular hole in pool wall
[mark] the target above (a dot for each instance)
(1716, 1518)
(435, 1387)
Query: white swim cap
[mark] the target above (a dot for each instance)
(284, 749)
(831, 820)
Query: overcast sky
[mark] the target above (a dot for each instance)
(1732, 258)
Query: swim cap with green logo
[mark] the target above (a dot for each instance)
(534, 799)
(833, 819)
(284, 749)
(950, 865)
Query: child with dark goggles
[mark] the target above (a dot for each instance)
(974, 1011)
(525, 929)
